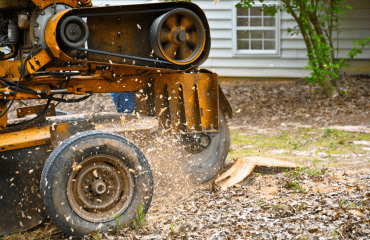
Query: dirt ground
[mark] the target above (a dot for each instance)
(269, 104)
(330, 201)
(325, 201)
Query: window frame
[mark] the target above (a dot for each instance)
(250, 52)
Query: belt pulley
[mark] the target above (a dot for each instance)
(173, 35)
(73, 31)
(177, 37)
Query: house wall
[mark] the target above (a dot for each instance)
(293, 55)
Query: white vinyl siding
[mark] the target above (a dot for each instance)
(293, 54)
(224, 60)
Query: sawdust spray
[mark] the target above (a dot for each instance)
(166, 157)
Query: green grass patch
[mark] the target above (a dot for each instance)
(328, 141)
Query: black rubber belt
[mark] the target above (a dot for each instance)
(123, 56)
(122, 13)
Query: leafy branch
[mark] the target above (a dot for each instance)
(317, 20)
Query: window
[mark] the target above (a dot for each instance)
(255, 33)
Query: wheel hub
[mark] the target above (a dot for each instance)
(98, 187)
(102, 188)
(92, 191)
(179, 36)
(73, 32)
(205, 141)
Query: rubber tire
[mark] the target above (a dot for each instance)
(58, 167)
(205, 165)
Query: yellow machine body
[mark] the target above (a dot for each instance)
(66, 47)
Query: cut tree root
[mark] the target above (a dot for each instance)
(244, 166)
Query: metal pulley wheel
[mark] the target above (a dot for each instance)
(178, 36)
(73, 31)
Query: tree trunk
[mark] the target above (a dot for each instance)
(328, 87)
(313, 26)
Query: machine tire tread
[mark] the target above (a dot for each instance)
(54, 164)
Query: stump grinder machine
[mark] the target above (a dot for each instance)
(77, 169)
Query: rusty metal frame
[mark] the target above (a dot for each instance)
(25, 138)
(44, 3)
(38, 61)
(10, 68)
(57, 129)
(187, 102)
(183, 101)
(36, 109)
